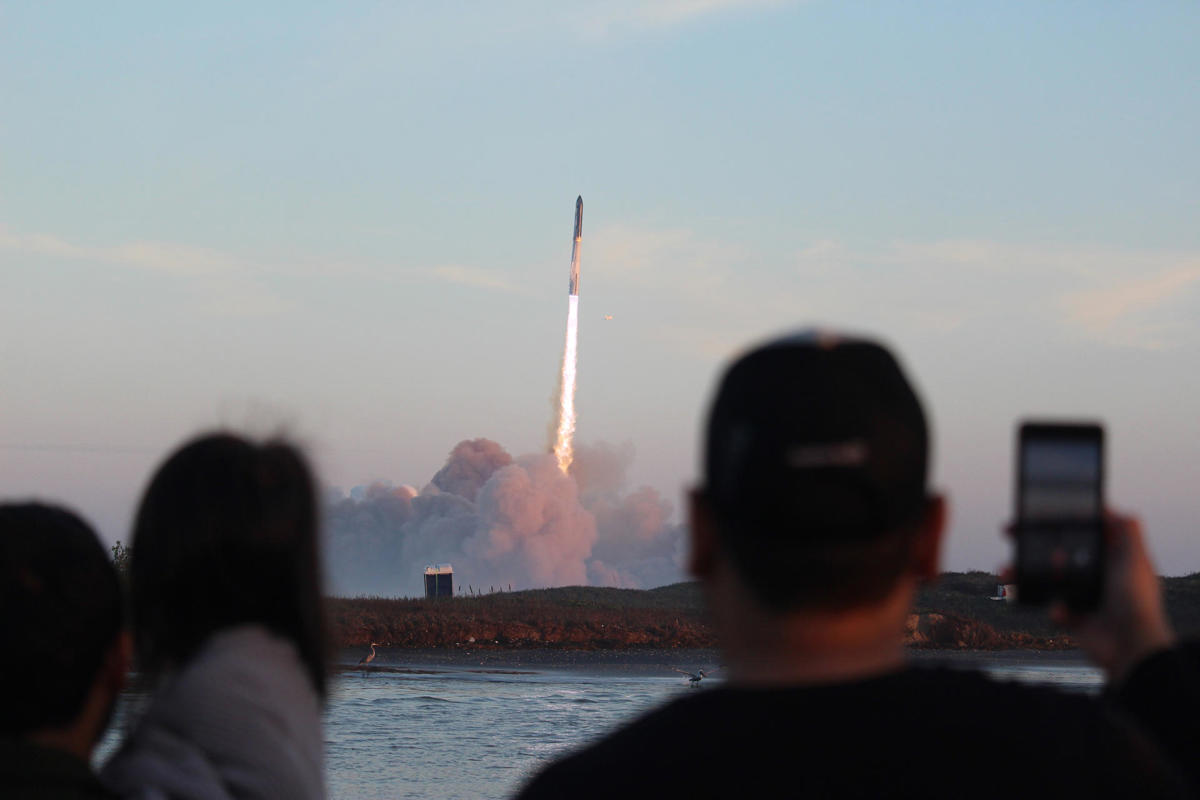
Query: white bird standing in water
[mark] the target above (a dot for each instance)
(369, 657)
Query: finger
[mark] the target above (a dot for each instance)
(1122, 533)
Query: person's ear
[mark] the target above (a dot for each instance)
(927, 544)
(702, 528)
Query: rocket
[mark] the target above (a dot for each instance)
(573, 284)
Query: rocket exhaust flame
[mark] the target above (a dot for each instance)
(564, 437)
(564, 441)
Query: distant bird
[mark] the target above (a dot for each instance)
(608, 316)
(369, 657)
(694, 678)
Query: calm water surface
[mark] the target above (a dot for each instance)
(461, 732)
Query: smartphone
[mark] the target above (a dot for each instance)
(1060, 513)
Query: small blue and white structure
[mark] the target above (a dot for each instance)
(439, 580)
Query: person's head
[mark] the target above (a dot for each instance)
(226, 535)
(816, 460)
(65, 652)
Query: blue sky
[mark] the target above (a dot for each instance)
(353, 219)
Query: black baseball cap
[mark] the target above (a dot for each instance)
(816, 437)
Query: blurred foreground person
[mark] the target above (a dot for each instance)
(811, 532)
(227, 620)
(65, 652)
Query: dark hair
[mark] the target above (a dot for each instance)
(226, 535)
(816, 461)
(60, 611)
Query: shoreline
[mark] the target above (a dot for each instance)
(645, 661)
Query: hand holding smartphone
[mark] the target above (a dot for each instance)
(1059, 514)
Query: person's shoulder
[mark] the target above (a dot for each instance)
(670, 727)
(871, 737)
(247, 664)
(1069, 742)
(969, 694)
(32, 772)
(155, 761)
(242, 707)
(630, 757)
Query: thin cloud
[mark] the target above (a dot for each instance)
(674, 259)
(1135, 312)
(225, 284)
(249, 301)
(936, 287)
(949, 251)
(658, 14)
(171, 259)
(476, 278)
(700, 341)
(941, 285)
(1102, 307)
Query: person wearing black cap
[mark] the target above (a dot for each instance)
(810, 535)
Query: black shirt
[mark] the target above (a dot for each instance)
(919, 732)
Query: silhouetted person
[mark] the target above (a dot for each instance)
(65, 653)
(810, 534)
(227, 618)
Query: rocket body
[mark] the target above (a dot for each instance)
(573, 283)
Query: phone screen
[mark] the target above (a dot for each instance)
(1059, 509)
(1061, 480)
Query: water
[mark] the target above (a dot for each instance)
(463, 732)
(1068, 678)
(469, 734)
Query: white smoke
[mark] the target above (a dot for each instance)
(563, 445)
(503, 522)
(469, 466)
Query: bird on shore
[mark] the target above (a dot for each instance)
(369, 657)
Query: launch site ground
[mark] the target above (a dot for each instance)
(954, 614)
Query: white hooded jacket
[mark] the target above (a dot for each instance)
(240, 720)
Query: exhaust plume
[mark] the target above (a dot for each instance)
(564, 431)
(564, 439)
(503, 521)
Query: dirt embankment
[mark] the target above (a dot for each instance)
(585, 619)
(952, 632)
(954, 613)
(513, 622)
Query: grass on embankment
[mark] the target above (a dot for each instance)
(583, 617)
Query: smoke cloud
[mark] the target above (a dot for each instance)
(505, 522)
